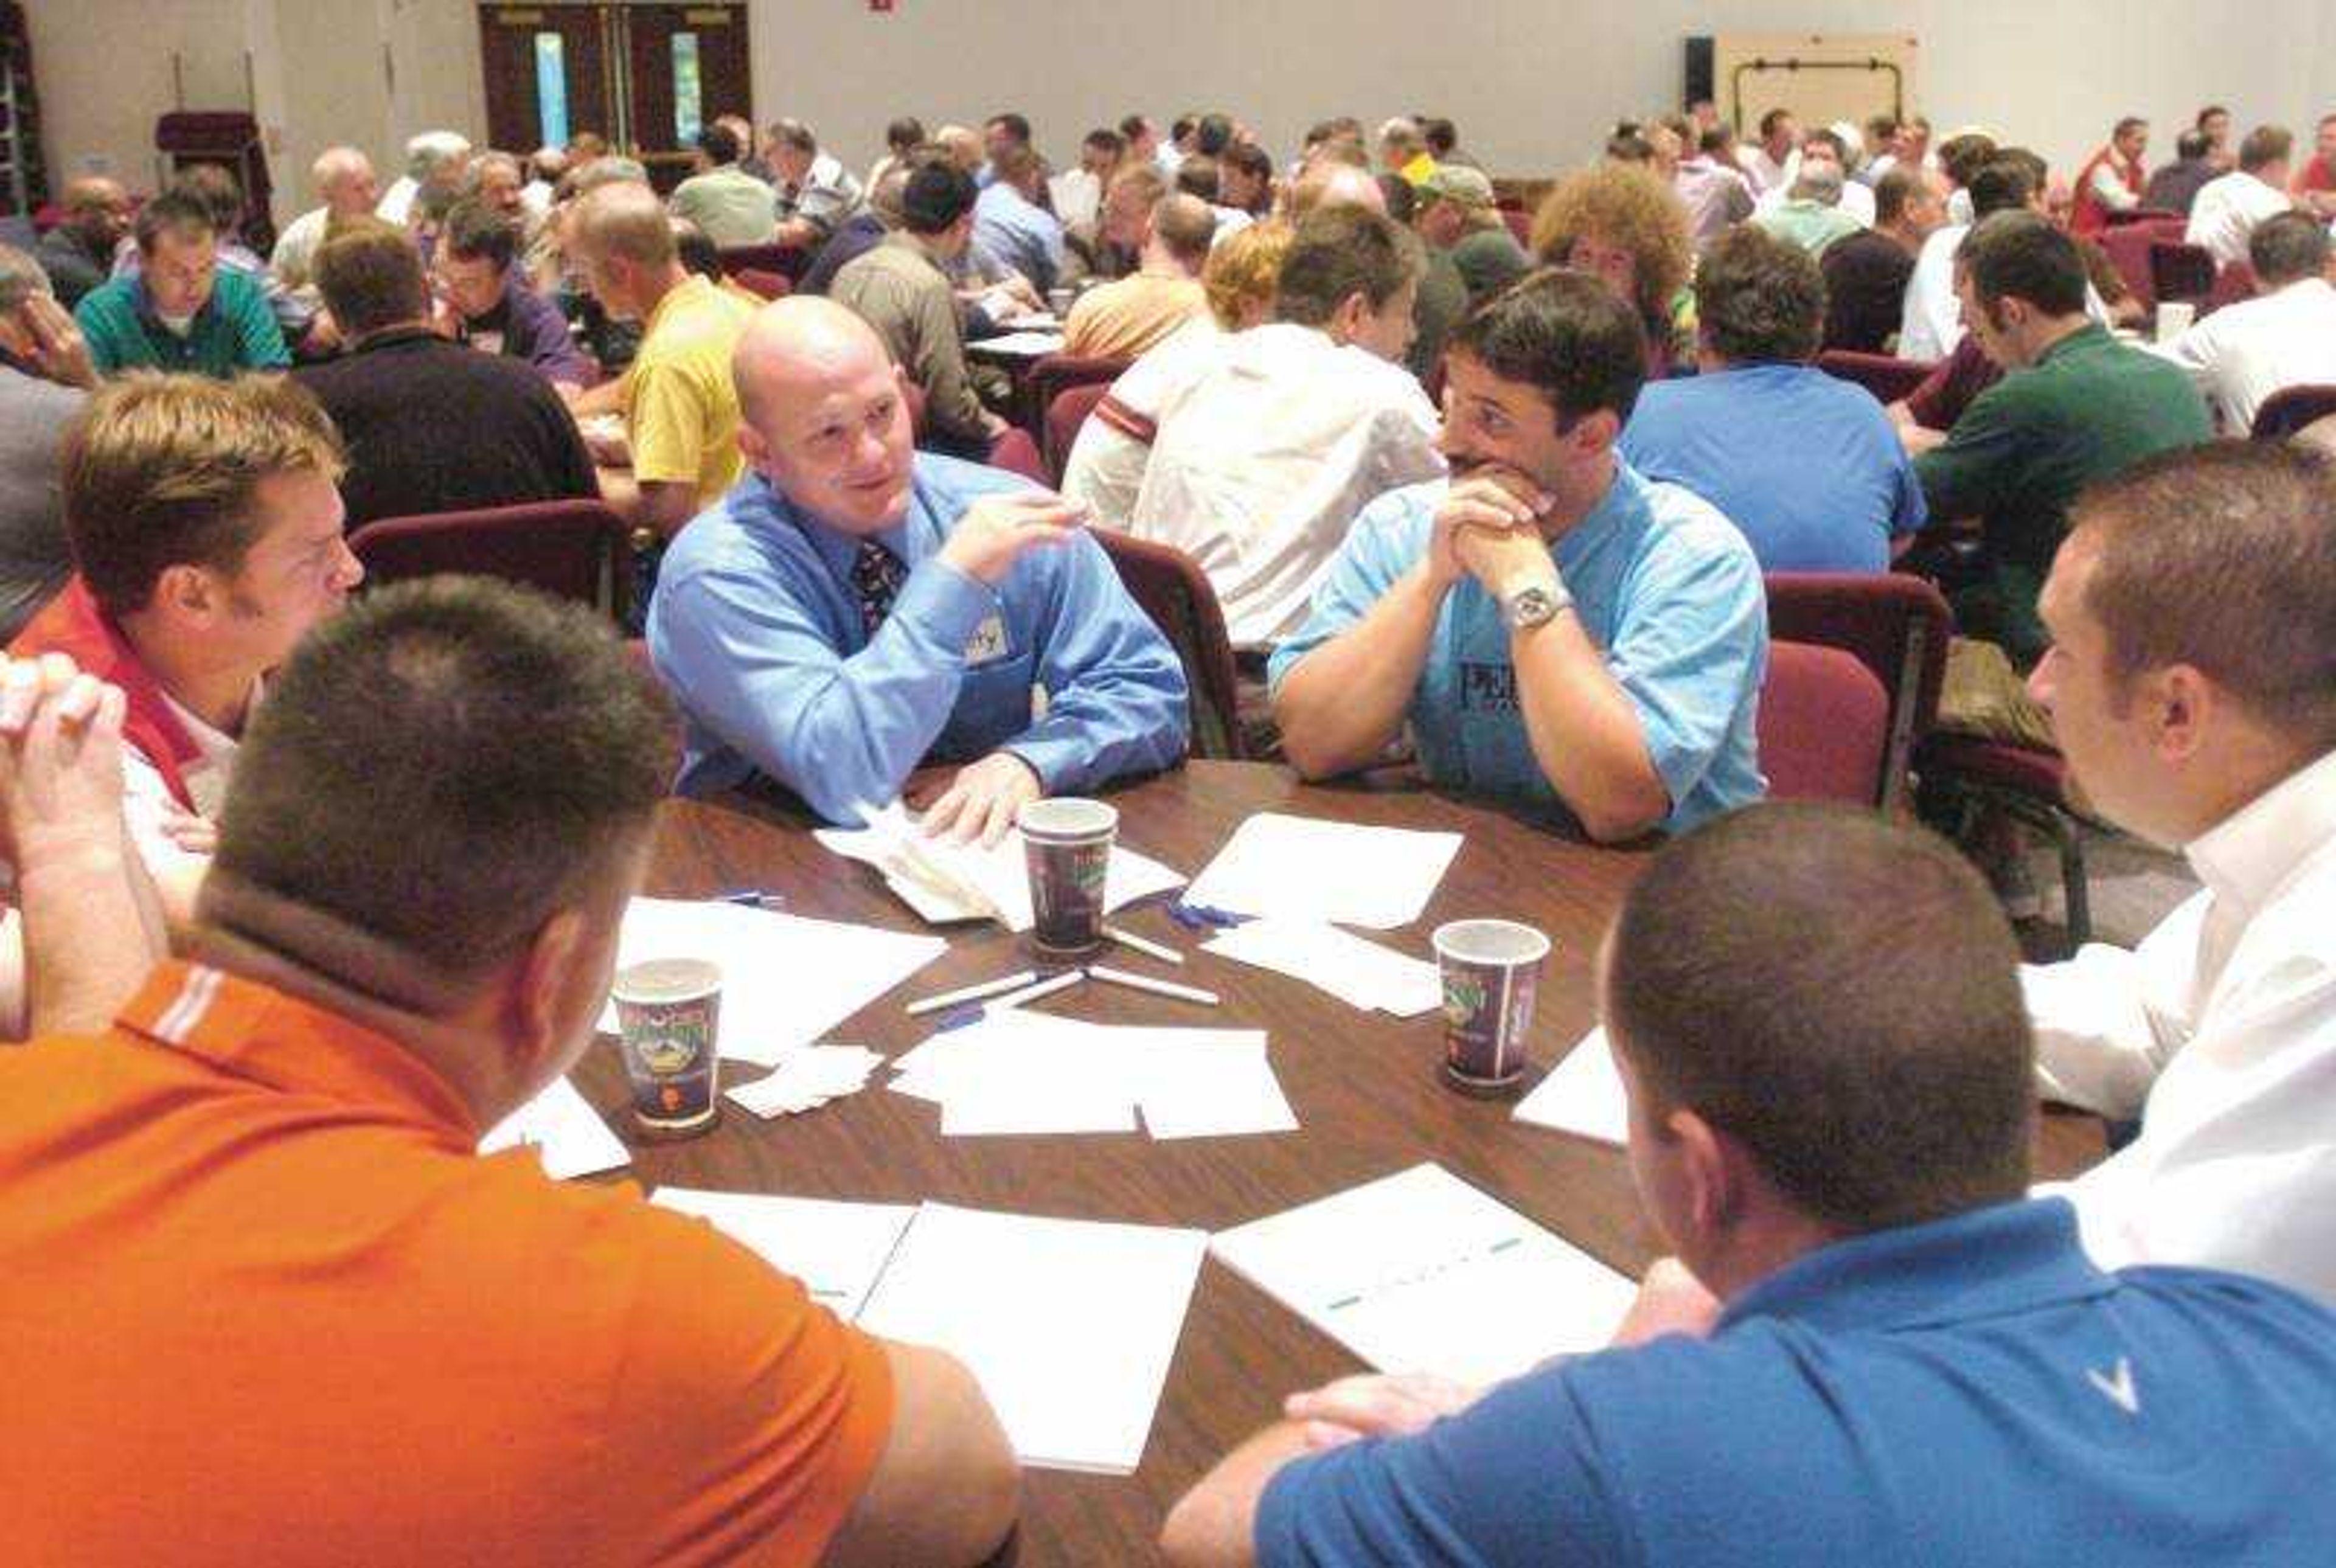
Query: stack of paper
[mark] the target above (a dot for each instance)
(945, 881)
(1358, 971)
(1302, 869)
(1421, 1272)
(1069, 1326)
(1582, 1094)
(565, 1130)
(807, 1079)
(785, 980)
(1036, 345)
(1014, 1072)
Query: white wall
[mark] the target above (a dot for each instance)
(1532, 83)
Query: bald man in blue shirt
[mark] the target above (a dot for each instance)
(1872, 1347)
(855, 607)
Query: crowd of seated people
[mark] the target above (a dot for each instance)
(1482, 484)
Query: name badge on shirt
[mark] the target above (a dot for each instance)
(987, 644)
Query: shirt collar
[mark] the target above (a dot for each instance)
(688, 289)
(1989, 1263)
(2092, 335)
(837, 550)
(269, 1037)
(2245, 857)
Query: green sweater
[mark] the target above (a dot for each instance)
(2090, 408)
(234, 331)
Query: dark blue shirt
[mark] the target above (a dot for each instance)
(1808, 466)
(1972, 1391)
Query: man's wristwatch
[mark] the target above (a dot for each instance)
(1535, 605)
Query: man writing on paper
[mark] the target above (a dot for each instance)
(255, 1263)
(858, 606)
(1553, 626)
(1868, 1326)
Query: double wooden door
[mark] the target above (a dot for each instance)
(646, 78)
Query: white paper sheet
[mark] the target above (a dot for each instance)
(565, 1130)
(787, 979)
(945, 881)
(837, 1250)
(1581, 1094)
(1302, 868)
(807, 1078)
(1420, 1272)
(1068, 1325)
(1211, 1084)
(1018, 345)
(1358, 972)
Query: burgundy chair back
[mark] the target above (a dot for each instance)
(2127, 248)
(1520, 225)
(2291, 408)
(789, 261)
(1898, 626)
(1064, 416)
(1055, 374)
(566, 548)
(1823, 726)
(1175, 593)
(1888, 378)
(769, 285)
(2159, 215)
(1015, 453)
(2179, 271)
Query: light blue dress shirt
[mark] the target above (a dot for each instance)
(1663, 584)
(1018, 232)
(756, 629)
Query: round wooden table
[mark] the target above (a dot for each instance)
(1363, 1084)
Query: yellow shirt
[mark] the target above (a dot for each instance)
(1419, 169)
(1121, 320)
(682, 421)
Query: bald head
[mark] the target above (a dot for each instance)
(796, 346)
(98, 209)
(1334, 184)
(826, 418)
(346, 180)
(964, 146)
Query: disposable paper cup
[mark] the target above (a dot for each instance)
(667, 1011)
(1058, 300)
(2173, 319)
(1490, 970)
(1067, 843)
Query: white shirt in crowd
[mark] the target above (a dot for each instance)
(2220, 1030)
(1104, 470)
(1856, 200)
(1262, 463)
(1932, 324)
(1768, 173)
(396, 204)
(2228, 210)
(2244, 352)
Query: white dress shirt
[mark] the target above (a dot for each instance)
(2220, 1030)
(1105, 468)
(1932, 321)
(1262, 463)
(396, 203)
(1767, 173)
(2227, 210)
(2244, 352)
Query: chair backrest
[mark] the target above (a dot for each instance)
(789, 261)
(2291, 408)
(1888, 378)
(1064, 416)
(1052, 375)
(1898, 626)
(1823, 726)
(1175, 592)
(2233, 284)
(769, 285)
(1015, 453)
(1520, 225)
(2158, 215)
(2179, 270)
(566, 548)
(2128, 249)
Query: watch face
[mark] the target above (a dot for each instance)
(1529, 607)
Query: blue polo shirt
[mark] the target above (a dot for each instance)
(756, 629)
(1020, 233)
(1971, 1391)
(1807, 465)
(1661, 583)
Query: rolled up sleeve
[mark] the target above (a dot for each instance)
(1116, 697)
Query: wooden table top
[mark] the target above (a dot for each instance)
(1363, 1086)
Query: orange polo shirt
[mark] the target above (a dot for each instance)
(262, 1302)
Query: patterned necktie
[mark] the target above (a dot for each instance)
(877, 574)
